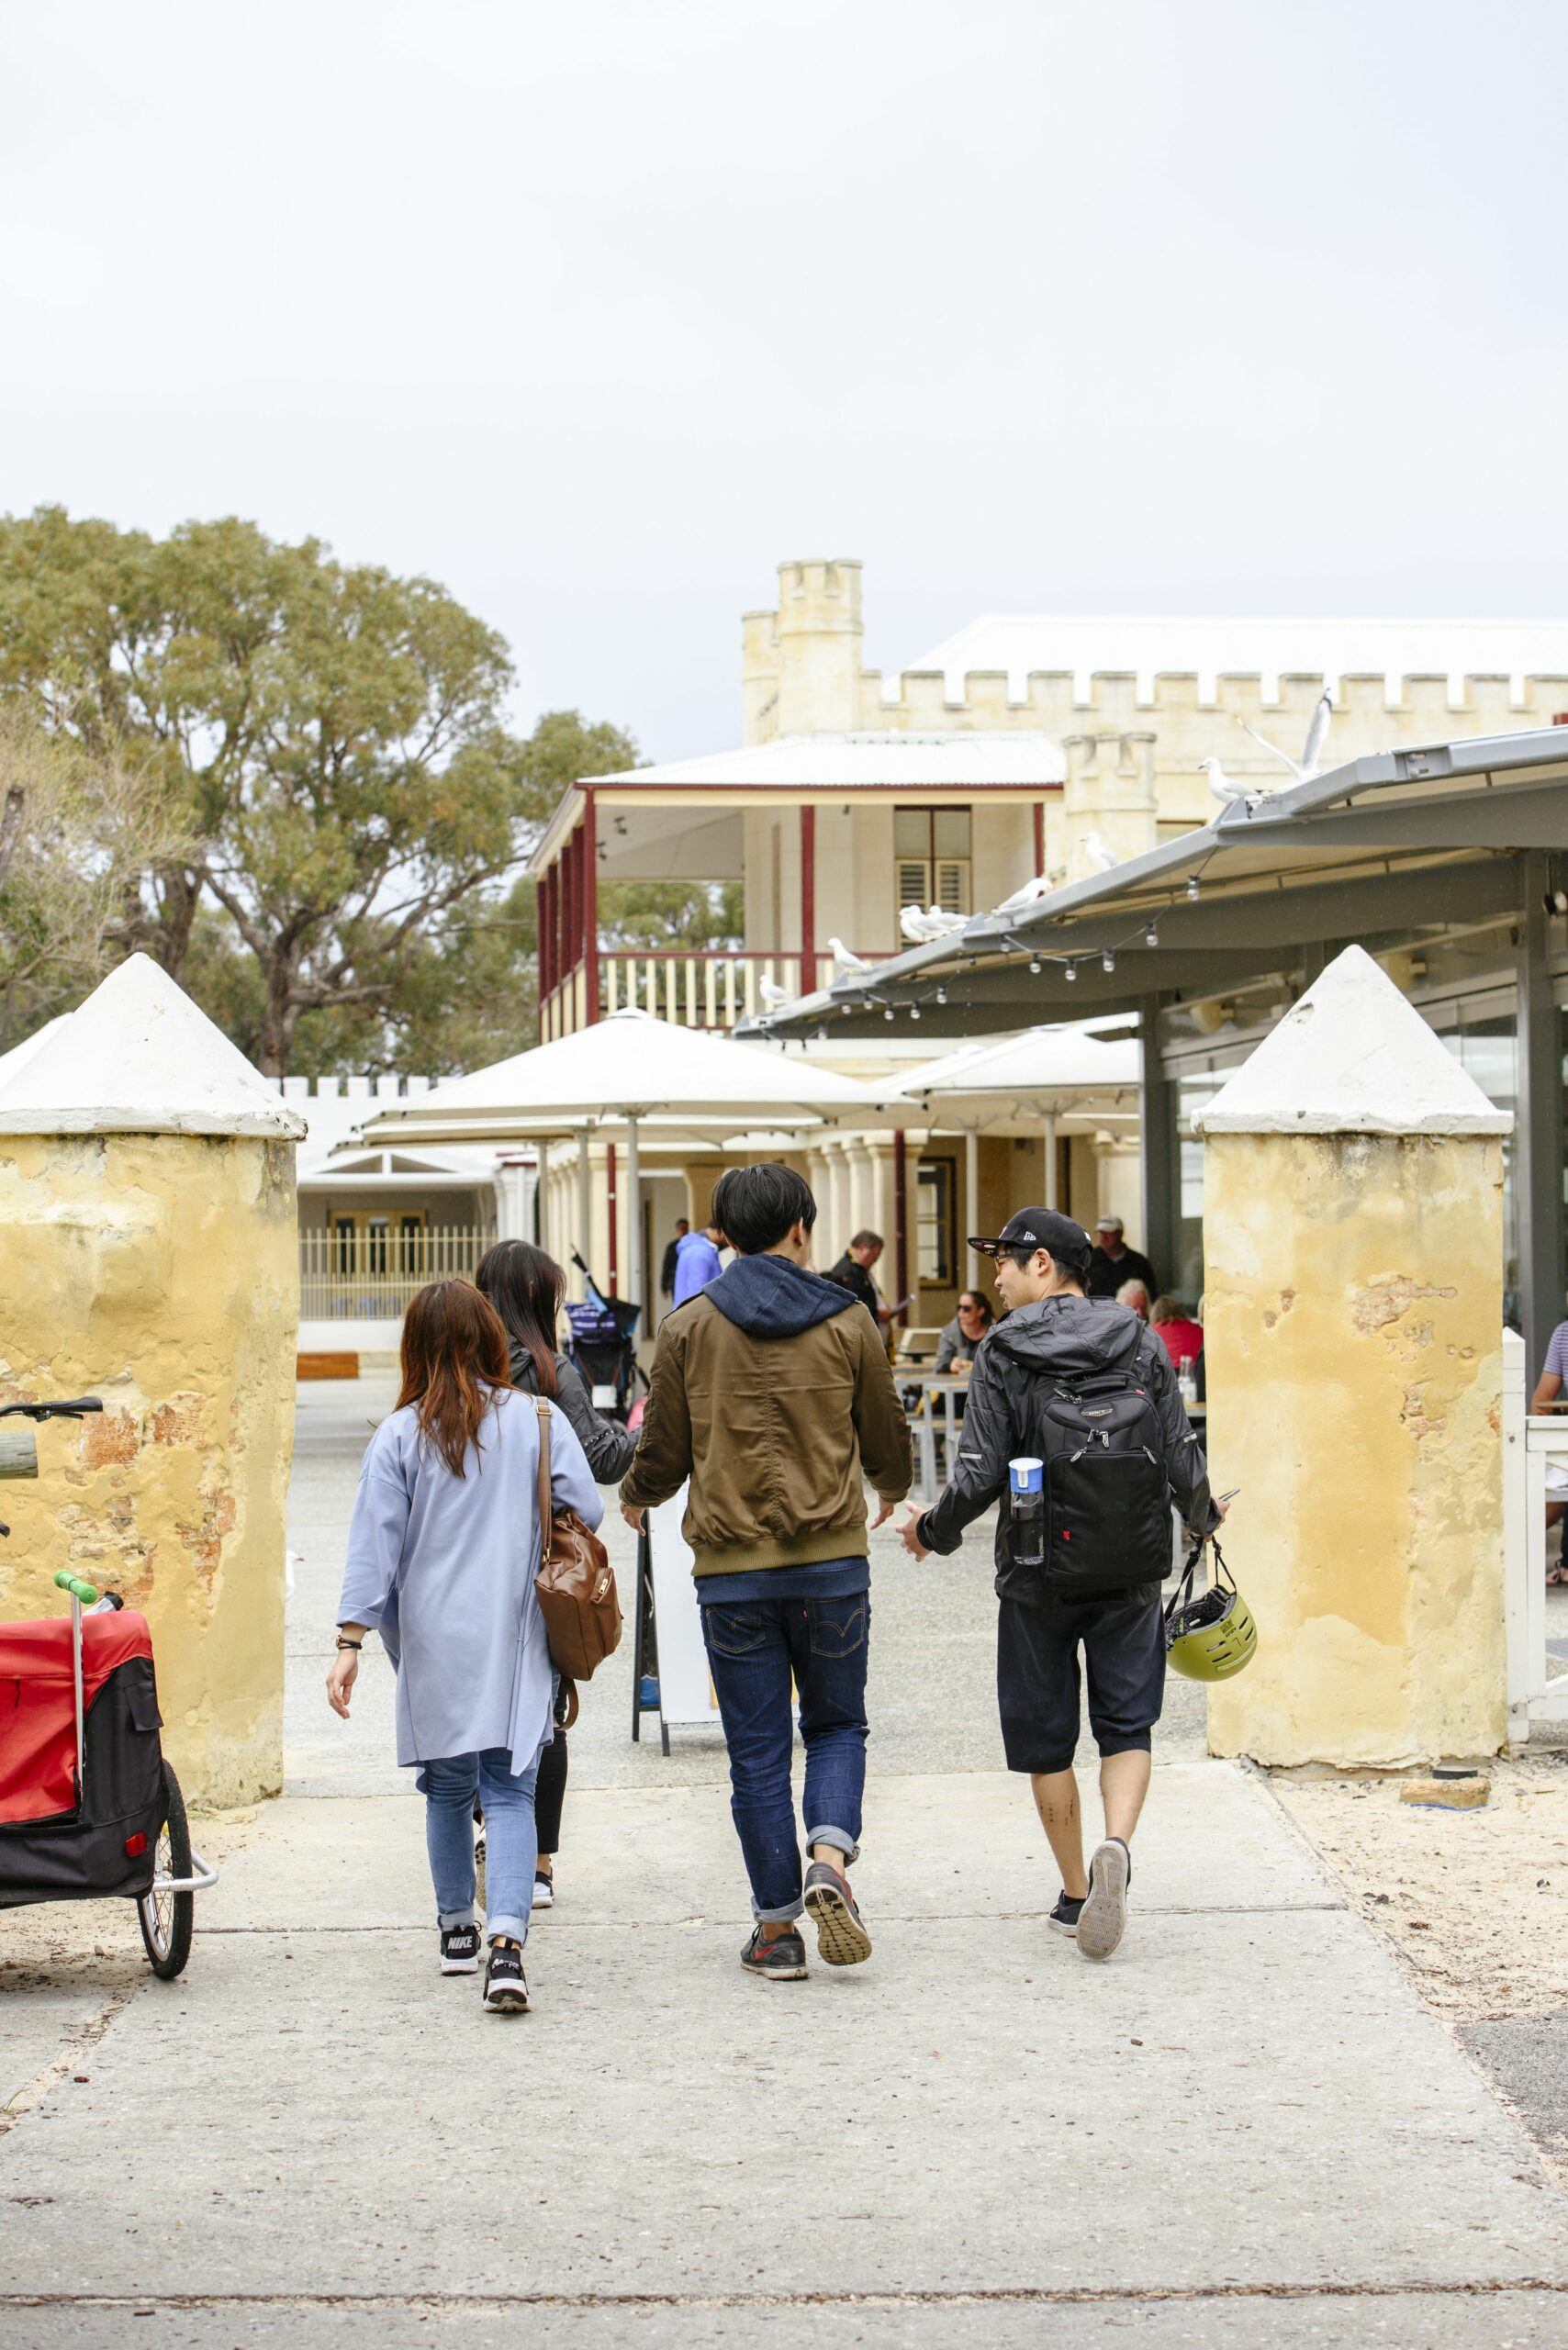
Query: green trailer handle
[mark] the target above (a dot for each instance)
(77, 1585)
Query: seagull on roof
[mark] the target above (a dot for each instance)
(843, 958)
(922, 925)
(1038, 888)
(1101, 857)
(1226, 790)
(1311, 760)
(773, 995)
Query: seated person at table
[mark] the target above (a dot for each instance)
(1182, 1338)
(960, 1337)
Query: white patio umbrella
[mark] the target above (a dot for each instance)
(628, 1069)
(1045, 1072)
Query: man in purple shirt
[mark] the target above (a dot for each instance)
(697, 1262)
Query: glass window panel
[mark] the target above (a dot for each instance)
(912, 832)
(950, 831)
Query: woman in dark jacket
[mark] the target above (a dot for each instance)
(527, 1288)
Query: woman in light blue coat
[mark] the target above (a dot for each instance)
(443, 1548)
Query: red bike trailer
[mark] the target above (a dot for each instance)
(89, 1809)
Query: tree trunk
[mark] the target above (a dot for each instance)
(280, 1016)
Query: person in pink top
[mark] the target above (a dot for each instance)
(1183, 1338)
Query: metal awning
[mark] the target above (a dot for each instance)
(1388, 846)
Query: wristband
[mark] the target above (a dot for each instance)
(341, 1643)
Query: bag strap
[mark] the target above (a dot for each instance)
(546, 1516)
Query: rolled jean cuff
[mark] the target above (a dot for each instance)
(839, 1838)
(449, 1920)
(785, 1917)
(500, 1927)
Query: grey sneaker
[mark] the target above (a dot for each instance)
(1103, 1918)
(841, 1938)
(780, 1960)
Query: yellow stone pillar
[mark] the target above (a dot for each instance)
(148, 1232)
(1353, 1266)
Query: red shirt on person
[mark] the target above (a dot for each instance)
(1180, 1338)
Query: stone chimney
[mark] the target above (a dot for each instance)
(818, 647)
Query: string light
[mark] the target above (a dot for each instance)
(1035, 966)
(941, 995)
(1191, 885)
(914, 1010)
(889, 1013)
(1071, 970)
(1107, 961)
(1151, 935)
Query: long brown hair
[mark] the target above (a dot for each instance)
(454, 1351)
(525, 1285)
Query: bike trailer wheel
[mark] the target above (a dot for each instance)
(167, 1919)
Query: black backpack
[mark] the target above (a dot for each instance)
(1108, 1496)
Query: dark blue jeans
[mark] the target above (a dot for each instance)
(754, 1649)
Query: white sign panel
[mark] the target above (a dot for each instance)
(686, 1689)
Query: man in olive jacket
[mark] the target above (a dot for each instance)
(771, 1392)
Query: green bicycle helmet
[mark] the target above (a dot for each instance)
(1213, 1635)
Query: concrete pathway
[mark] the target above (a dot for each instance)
(1244, 2130)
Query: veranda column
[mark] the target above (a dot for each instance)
(148, 1233)
(1353, 1267)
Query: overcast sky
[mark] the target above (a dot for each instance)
(597, 311)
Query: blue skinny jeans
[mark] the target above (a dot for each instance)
(450, 1786)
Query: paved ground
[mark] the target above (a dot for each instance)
(1246, 2130)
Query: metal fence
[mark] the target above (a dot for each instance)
(369, 1271)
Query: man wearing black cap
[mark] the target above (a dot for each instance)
(1088, 1390)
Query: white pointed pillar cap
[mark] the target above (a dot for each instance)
(138, 1057)
(1352, 1057)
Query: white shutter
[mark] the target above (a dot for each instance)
(953, 884)
(913, 882)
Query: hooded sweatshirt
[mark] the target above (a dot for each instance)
(771, 1392)
(1062, 1338)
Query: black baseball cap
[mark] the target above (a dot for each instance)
(1034, 1228)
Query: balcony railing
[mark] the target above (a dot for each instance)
(691, 990)
(370, 1274)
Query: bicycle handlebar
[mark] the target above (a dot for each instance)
(67, 1411)
(77, 1585)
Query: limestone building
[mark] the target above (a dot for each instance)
(1024, 751)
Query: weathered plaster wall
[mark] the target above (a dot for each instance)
(160, 1272)
(1353, 1342)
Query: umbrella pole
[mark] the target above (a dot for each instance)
(585, 1206)
(634, 1220)
(1050, 1198)
(971, 1199)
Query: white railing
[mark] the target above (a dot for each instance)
(369, 1275)
(1532, 1443)
(699, 991)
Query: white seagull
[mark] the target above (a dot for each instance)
(1098, 855)
(843, 958)
(922, 924)
(774, 995)
(1039, 887)
(1311, 760)
(1226, 788)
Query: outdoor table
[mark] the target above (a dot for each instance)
(937, 1391)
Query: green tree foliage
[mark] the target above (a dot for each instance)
(699, 916)
(353, 807)
(77, 829)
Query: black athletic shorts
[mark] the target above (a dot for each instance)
(1037, 1683)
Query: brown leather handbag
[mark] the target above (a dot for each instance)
(575, 1583)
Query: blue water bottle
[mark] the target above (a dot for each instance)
(1027, 1510)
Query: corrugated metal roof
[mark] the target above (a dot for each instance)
(888, 760)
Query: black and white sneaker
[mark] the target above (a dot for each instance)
(460, 1949)
(1103, 1918)
(505, 1985)
(544, 1891)
(1066, 1914)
